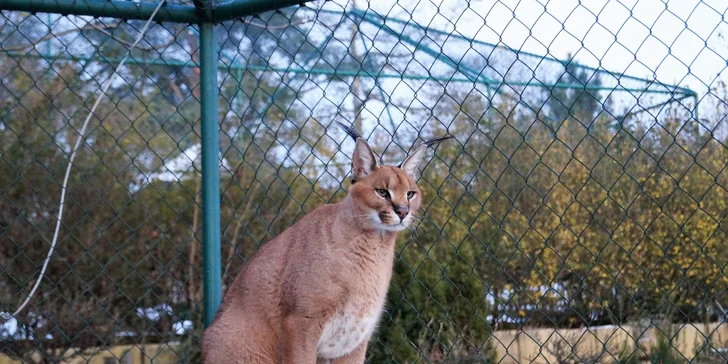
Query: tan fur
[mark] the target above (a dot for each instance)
(314, 293)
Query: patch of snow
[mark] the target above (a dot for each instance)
(154, 313)
(179, 167)
(182, 327)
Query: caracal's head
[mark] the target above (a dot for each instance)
(385, 197)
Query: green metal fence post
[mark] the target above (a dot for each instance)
(210, 173)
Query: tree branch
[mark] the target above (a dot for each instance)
(128, 44)
(192, 254)
(239, 224)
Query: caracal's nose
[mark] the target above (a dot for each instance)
(401, 211)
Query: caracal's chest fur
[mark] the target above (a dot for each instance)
(348, 328)
(356, 320)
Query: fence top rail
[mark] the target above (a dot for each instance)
(129, 10)
(202, 11)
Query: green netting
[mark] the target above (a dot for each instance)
(578, 216)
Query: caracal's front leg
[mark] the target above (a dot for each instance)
(300, 338)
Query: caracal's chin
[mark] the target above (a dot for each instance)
(403, 225)
(395, 228)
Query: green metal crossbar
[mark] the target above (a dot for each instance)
(107, 9)
(202, 12)
(678, 91)
(378, 19)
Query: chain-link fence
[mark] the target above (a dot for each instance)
(578, 216)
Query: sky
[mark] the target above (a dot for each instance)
(677, 42)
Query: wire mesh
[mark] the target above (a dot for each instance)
(578, 216)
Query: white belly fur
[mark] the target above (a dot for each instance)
(347, 330)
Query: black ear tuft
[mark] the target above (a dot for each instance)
(436, 141)
(350, 131)
(431, 143)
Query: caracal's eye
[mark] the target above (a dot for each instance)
(410, 194)
(382, 192)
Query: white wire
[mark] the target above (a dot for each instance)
(104, 89)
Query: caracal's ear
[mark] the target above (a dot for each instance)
(364, 161)
(413, 160)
